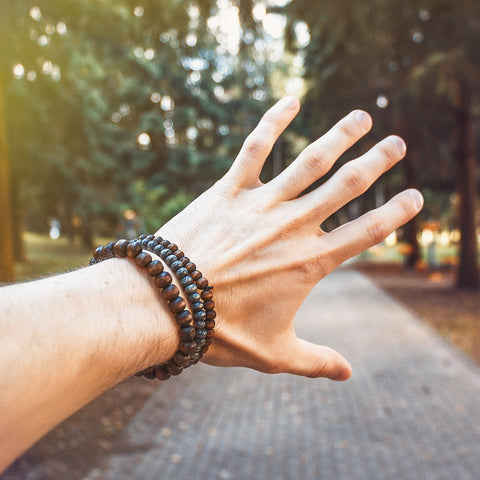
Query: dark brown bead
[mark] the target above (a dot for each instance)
(155, 268)
(196, 275)
(133, 249)
(211, 314)
(120, 248)
(98, 255)
(188, 347)
(172, 246)
(149, 375)
(170, 293)
(207, 295)
(150, 237)
(185, 260)
(177, 305)
(164, 243)
(157, 238)
(174, 369)
(178, 253)
(202, 282)
(161, 373)
(141, 237)
(210, 333)
(191, 267)
(210, 324)
(208, 342)
(209, 305)
(187, 333)
(184, 318)
(143, 259)
(180, 359)
(163, 280)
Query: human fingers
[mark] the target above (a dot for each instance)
(311, 360)
(246, 169)
(372, 228)
(318, 158)
(354, 178)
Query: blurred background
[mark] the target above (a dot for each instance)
(114, 114)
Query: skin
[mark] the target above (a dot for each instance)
(68, 338)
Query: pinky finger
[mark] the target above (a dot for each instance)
(373, 227)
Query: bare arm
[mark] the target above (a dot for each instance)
(67, 339)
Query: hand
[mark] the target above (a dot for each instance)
(261, 246)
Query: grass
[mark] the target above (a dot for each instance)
(45, 257)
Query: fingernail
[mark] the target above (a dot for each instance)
(399, 143)
(417, 199)
(289, 102)
(363, 118)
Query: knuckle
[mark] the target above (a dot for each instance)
(348, 129)
(315, 161)
(389, 152)
(255, 145)
(354, 179)
(375, 230)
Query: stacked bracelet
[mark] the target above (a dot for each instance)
(196, 326)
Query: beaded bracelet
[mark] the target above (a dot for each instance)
(194, 339)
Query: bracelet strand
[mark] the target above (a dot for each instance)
(196, 326)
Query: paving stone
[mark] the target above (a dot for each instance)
(410, 411)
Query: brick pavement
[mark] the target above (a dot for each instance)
(411, 410)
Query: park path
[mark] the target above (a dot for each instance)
(410, 411)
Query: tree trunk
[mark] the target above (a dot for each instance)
(7, 271)
(412, 256)
(467, 275)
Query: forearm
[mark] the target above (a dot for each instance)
(66, 339)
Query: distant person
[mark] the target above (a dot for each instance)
(132, 225)
(66, 339)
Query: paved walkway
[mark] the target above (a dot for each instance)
(410, 411)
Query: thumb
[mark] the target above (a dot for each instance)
(311, 360)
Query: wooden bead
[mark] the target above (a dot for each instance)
(151, 245)
(165, 253)
(191, 267)
(188, 347)
(194, 297)
(133, 249)
(181, 272)
(161, 373)
(163, 280)
(155, 268)
(149, 375)
(170, 293)
(196, 275)
(172, 246)
(179, 254)
(180, 359)
(184, 318)
(208, 342)
(200, 334)
(170, 259)
(209, 305)
(202, 282)
(176, 265)
(173, 369)
(120, 248)
(211, 314)
(210, 324)
(197, 306)
(185, 261)
(192, 290)
(187, 333)
(200, 325)
(177, 305)
(207, 295)
(157, 238)
(143, 259)
(199, 315)
(157, 250)
(186, 281)
(164, 243)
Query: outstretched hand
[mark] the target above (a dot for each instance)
(261, 246)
